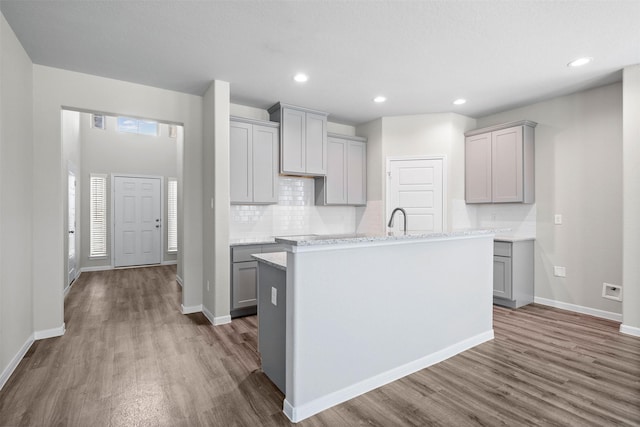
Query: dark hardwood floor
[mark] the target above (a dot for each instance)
(129, 358)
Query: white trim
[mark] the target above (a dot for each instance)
(215, 321)
(445, 196)
(630, 330)
(579, 309)
(15, 361)
(300, 412)
(96, 268)
(49, 333)
(191, 309)
(170, 262)
(179, 280)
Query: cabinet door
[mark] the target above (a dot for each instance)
(244, 291)
(240, 140)
(336, 180)
(293, 128)
(502, 277)
(478, 168)
(265, 164)
(316, 144)
(507, 160)
(357, 173)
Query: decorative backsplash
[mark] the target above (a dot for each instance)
(294, 214)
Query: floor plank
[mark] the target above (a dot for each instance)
(129, 357)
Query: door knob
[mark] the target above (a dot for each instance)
(157, 226)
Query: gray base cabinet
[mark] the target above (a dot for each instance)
(513, 273)
(272, 323)
(346, 179)
(499, 163)
(244, 278)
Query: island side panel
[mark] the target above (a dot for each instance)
(361, 316)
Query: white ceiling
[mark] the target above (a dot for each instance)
(421, 55)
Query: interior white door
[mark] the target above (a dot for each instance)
(417, 185)
(71, 210)
(137, 221)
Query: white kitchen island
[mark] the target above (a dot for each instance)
(362, 311)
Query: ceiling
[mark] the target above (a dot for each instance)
(421, 55)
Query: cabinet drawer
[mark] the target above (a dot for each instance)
(502, 249)
(243, 253)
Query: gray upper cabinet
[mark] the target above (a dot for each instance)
(346, 179)
(303, 139)
(253, 155)
(499, 164)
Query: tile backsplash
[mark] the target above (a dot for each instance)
(295, 213)
(519, 217)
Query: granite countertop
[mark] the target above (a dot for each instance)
(244, 241)
(342, 239)
(274, 259)
(508, 238)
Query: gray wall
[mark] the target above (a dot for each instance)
(578, 143)
(16, 203)
(109, 151)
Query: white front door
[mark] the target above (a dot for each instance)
(137, 221)
(417, 186)
(72, 263)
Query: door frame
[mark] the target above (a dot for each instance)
(113, 212)
(72, 170)
(387, 210)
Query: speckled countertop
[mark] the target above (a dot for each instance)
(345, 239)
(274, 259)
(243, 241)
(508, 238)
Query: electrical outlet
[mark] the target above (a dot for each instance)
(559, 271)
(208, 286)
(274, 296)
(557, 219)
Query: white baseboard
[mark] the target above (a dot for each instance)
(579, 309)
(49, 333)
(215, 321)
(306, 410)
(179, 280)
(174, 262)
(630, 330)
(15, 361)
(96, 268)
(191, 309)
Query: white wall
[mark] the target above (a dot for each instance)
(108, 151)
(54, 89)
(578, 164)
(16, 202)
(422, 134)
(631, 201)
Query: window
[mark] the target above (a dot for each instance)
(97, 121)
(172, 215)
(98, 215)
(139, 126)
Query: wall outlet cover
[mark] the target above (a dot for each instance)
(557, 219)
(559, 271)
(610, 291)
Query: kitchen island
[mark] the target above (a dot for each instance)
(362, 310)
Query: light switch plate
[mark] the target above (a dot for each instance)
(274, 296)
(559, 271)
(557, 219)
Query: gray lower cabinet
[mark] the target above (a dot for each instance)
(513, 273)
(272, 323)
(244, 277)
(346, 179)
(253, 161)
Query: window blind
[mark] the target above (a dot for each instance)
(172, 215)
(98, 215)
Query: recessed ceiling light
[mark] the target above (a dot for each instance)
(301, 77)
(580, 62)
(460, 101)
(379, 99)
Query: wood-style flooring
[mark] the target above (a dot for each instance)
(129, 358)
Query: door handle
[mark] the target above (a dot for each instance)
(71, 231)
(157, 226)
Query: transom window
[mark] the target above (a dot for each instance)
(139, 126)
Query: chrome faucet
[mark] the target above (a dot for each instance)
(404, 213)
